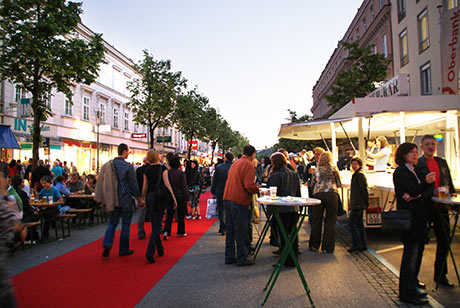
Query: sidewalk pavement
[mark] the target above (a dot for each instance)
(201, 279)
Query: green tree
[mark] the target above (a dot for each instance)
(228, 138)
(189, 116)
(153, 97)
(40, 51)
(212, 124)
(241, 141)
(291, 145)
(366, 68)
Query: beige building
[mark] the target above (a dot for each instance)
(417, 50)
(371, 26)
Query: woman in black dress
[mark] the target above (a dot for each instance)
(154, 176)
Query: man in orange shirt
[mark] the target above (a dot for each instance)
(239, 188)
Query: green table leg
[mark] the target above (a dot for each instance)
(288, 249)
(260, 241)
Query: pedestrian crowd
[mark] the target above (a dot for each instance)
(163, 189)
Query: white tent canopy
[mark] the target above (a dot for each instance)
(400, 116)
(419, 115)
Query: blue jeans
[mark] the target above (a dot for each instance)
(357, 229)
(237, 217)
(126, 214)
(155, 241)
(220, 209)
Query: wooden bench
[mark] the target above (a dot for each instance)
(65, 219)
(80, 216)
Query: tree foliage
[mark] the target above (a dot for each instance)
(291, 145)
(189, 116)
(153, 97)
(366, 68)
(40, 51)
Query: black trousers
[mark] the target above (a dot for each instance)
(410, 265)
(329, 202)
(181, 212)
(169, 217)
(441, 227)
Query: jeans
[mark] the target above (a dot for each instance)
(220, 209)
(357, 229)
(155, 241)
(237, 231)
(126, 213)
(141, 221)
(410, 267)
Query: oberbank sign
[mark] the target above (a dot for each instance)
(22, 125)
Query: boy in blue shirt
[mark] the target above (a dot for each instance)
(49, 191)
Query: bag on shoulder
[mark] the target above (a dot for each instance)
(396, 221)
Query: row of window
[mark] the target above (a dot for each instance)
(423, 37)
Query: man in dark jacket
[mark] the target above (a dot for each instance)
(37, 174)
(218, 186)
(437, 213)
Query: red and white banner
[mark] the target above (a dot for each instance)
(450, 50)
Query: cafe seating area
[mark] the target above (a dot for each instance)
(61, 225)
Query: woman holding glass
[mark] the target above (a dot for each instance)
(409, 185)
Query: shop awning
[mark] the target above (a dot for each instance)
(7, 139)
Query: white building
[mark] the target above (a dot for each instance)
(72, 129)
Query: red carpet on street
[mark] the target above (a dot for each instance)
(83, 278)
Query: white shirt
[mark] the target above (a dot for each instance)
(380, 164)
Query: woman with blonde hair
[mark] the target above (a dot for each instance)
(324, 184)
(155, 178)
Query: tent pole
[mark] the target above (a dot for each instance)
(325, 143)
(346, 134)
(335, 153)
(361, 145)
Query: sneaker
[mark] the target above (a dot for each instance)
(165, 236)
(198, 217)
(182, 235)
(189, 217)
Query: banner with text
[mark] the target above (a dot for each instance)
(450, 51)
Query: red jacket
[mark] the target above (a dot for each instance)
(240, 185)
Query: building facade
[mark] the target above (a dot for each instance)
(417, 37)
(97, 114)
(371, 26)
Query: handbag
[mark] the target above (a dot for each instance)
(396, 221)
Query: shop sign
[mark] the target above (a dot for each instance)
(163, 138)
(138, 135)
(21, 125)
(194, 144)
(397, 86)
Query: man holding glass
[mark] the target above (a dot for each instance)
(438, 213)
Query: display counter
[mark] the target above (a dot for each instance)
(381, 195)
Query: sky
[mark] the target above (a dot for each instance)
(253, 59)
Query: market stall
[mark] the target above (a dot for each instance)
(404, 117)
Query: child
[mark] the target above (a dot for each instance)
(359, 201)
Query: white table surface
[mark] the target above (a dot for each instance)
(288, 201)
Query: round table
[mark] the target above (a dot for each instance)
(275, 204)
